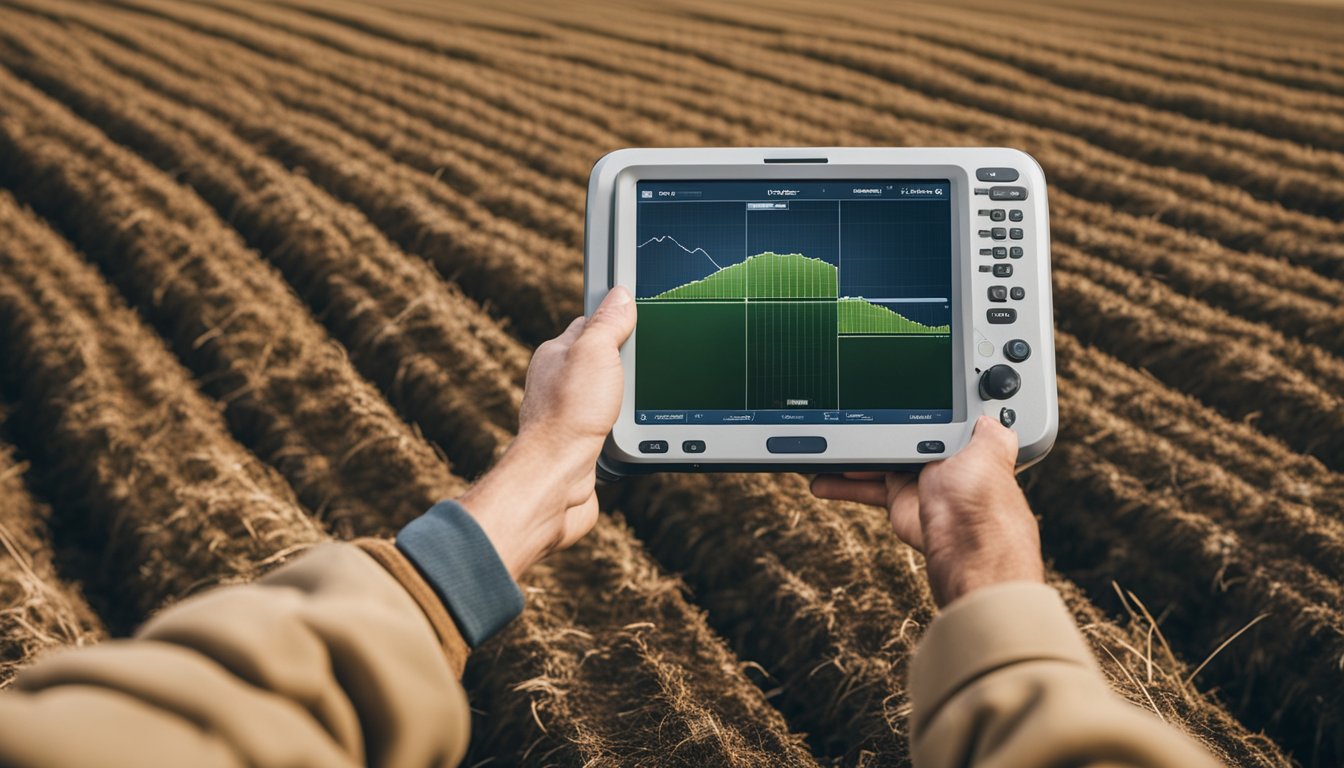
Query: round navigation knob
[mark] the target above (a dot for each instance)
(1000, 382)
(1017, 350)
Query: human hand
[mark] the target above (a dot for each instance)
(541, 495)
(965, 513)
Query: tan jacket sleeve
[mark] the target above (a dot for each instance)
(342, 657)
(1003, 678)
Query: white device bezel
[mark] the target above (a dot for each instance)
(611, 237)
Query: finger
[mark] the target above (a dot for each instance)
(865, 475)
(903, 491)
(613, 320)
(872, 492)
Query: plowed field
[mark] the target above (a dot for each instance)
(271, 273)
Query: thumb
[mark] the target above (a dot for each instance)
(991, 436)
(614, 319)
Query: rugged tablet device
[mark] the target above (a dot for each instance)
(823, 309)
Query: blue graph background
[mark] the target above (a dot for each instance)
(898, 251)
(668, 235)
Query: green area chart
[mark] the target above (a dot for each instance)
(772, 332)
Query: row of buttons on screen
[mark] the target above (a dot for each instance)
(660, 446)
(805, 444)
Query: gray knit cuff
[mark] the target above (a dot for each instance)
(463, 568)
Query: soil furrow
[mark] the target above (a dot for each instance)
(1104, 526)
(138, 464)
(407, 330)
(287, 394)
(1235, 446)
(1219, 370)
(40, 610)
(1135, 68)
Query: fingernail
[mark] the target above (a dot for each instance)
(619, 295)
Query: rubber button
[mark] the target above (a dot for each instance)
(1007, 193)
(998, 233)
(1015, 233)
(1007, 417)
(1001, 315)
(1000, 382)
(998, 293)
(1017, 350)
(998, 214)
(1018, 293)
(985, 349)
(693, 446)
(796, 444)
(996, 174)
(999, 252)
(1015, 252)
(930, 446)
(653, 446)
(1015, 215)
(1003, 270)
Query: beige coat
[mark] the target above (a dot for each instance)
(346, 657)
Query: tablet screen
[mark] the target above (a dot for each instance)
(773, 302)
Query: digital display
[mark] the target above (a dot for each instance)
(778, 302)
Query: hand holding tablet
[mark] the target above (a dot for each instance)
(823, 309)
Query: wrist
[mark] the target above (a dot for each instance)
(953, 575)
(520, 503)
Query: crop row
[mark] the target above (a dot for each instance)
(42, 610)
(404, 328)
(1054, 60)
(440, 144)
(487, 254)
(1242, 379)
(156, 490)
(1311, 28)
(1106, 526)
(611, 665)
(286, 395)
(1299, 73)
(1236, 446)
(1298, 66)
